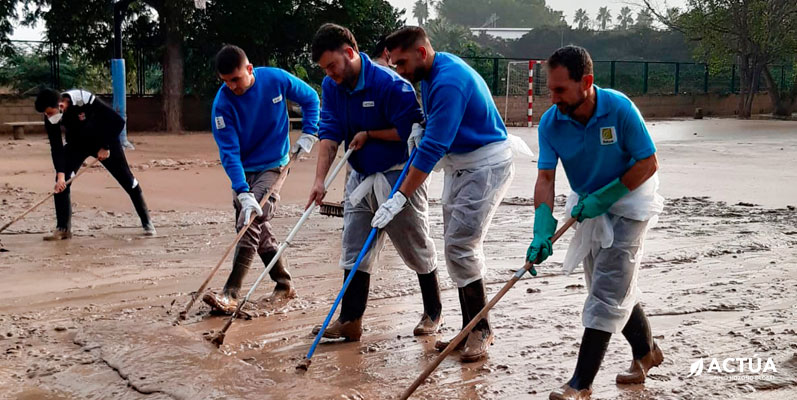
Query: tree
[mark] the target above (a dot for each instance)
(581, 19)
(754, 33)
(510, 13)
(624, 20)
(8, 14)
(644, 19)
(420, 10)
(604, 17)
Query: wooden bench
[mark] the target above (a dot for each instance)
(19, 127)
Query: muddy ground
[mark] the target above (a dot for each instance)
(90, 318)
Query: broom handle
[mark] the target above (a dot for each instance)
(466, 330)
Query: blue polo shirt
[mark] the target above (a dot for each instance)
(251, 130)
(380, 100)
(460, 112)
(603, 150)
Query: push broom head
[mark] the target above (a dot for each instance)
(304, 365)
(332, 209)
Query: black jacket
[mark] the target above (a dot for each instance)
(90, 125)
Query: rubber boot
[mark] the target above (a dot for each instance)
(227, 301)
(279, 273)
(441, 345)
(481, 337)
(432, 317)
(590, 355)
(137, 197)
(58, 234)
(349, 324)
(645, 351)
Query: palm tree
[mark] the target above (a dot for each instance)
(421, 11)
(604, 17)
(625, 19)
(581, 19)
(673, 14)
(644, 19)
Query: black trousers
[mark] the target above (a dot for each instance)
(116, 164)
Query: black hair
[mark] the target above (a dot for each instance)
(405, 38)
(229, 58)
(379, 49)
(47, 98)
(331, 37)
(575, 58)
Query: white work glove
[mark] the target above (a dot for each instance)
(415, 137)
(304, 143)
(388, 210)
(248, 204)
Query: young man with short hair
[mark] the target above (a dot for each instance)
(610, 162)
(91, 129)
(372, 110)
(250, 124)
(464, 135)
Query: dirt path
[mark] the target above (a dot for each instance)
(90, 317)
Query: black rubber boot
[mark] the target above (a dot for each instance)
(441, 345)
(279, 273)
(352, 307)
(430, 292)
(137, 197)
(355, 299)
(432, 307)
(240, 267)
(480, 339)
(637, 333)
(590, 355)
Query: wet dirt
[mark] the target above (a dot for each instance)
(91, 318)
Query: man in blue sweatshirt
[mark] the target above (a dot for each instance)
(373, 110)
(250, 125)
(466, 136)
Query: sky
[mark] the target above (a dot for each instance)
(568, 6)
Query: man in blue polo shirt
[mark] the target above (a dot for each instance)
(250, 125)
(610, 163)
(372, 110)
(464, 135)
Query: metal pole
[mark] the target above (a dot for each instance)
(677, 76)
(645, 78)
(495, 75)
(705, 79)
(118, 69)
(611, 80)
(733, 78)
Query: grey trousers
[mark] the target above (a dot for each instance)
(409, 230)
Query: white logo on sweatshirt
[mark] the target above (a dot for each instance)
(220, 123)
(277, 99)
(368, 103)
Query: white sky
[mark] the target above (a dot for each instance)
(568, 6)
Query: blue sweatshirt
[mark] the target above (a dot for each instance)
(380, 100)
(460, 112)
(251, 130)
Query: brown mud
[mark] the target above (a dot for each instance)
(91, 318)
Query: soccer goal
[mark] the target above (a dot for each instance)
(524, 79)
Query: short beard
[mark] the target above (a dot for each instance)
(569, 109)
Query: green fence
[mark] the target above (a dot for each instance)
(630, 77)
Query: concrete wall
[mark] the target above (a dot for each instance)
(651, 106)
(144, 113)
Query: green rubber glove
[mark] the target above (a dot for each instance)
(544, 228)
(598, 202)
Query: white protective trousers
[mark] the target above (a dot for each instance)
(611, 248)
(474, 186)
